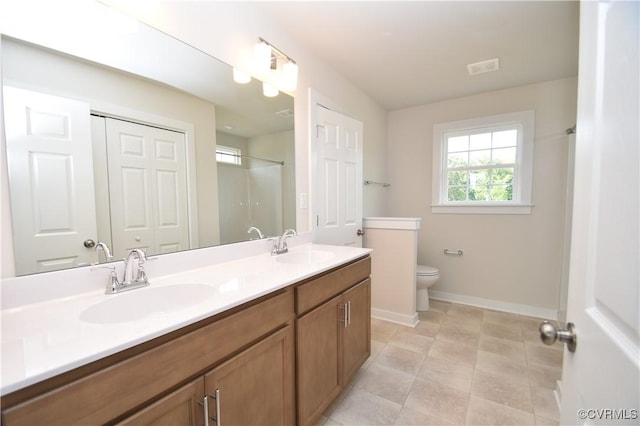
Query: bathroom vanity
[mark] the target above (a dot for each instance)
(273, 341)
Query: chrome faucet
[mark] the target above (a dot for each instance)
(131, 277)
(134, 275)
(108, 257)
(280, 244)
(252, 229)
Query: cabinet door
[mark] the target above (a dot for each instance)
(357, 333)
(180, 408)
(256, 387)
(318, 345)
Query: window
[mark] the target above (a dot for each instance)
(228, 155)
(484, 165)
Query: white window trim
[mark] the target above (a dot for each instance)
(234, 154)
(522, 201)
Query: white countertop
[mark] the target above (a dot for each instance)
(41, 340)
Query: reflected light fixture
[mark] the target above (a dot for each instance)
(269, 64)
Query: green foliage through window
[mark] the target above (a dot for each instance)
(481, 166)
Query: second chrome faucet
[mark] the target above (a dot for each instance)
(134, 275)
(280, 243)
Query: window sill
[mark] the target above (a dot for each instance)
(481, 209)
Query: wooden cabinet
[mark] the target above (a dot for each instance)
(333, 340)
(254, 387)
(246, 362)
(129, 382)
(181, 407)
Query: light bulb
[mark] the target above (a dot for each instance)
(268, 90)
(240, 76)
(261, 58)
(289, 78)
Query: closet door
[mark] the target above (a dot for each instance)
(147, 188)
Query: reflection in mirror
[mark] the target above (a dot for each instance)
(105, 151)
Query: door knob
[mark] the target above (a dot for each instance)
(89, 243)
(360, 232)
(549, 334)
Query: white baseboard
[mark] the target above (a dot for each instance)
(406, 320)
(514, 308)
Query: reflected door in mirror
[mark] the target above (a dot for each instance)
(50, 179)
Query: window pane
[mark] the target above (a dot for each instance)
(505, 138)
(501, 176)
(504, 156)
(479, 158)
(502, 192)
(457, 193)
(478, 177)
(457, 160)
(479, 193)
(457, 178)
(458, 143)
(480, 141)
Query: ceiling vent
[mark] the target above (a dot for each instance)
(285, 113)
(484, 66)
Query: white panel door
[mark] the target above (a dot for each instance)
(147, 188)
(339, 170)
(50, 179)
(601, 379)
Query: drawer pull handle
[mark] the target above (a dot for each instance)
(345, 315)
(216, 419)
(349, 312)
(205, 403)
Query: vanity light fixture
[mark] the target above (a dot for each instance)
(269, 64)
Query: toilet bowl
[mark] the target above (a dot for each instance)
(426, 276)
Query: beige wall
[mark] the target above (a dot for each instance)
(509, 259)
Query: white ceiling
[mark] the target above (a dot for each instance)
(407, 53)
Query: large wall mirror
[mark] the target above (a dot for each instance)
(137, 140)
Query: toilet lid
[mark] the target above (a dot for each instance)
(426, 270)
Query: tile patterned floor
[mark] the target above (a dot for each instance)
(460, 365)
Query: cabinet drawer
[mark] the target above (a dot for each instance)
(319, 290)
(109, 393)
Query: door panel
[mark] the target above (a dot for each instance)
(50, 166)
(339, 165)
(601, 380)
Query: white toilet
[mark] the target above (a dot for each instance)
(426, 276)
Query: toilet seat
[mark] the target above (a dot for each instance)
(426, 271)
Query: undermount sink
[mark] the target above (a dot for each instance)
(307, 257)
(140, 303)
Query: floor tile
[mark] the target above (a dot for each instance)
(497, 364)
(509, 349)
(432, 316)
(502, 331)
(401, 359)
(413, 341)
(388, 383)
(461, 353)
(484, 412)
(439, 305)
(412, 417)
(501, 389)
(544, 376)
(543, 355)
(382, 331)
(544, 403)
(435, 399)
(364, 408)
(447, 372)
